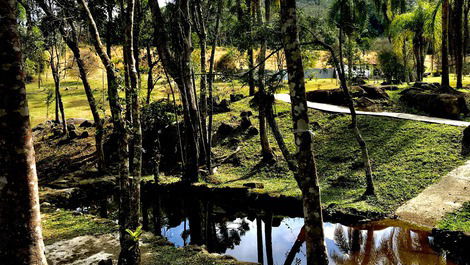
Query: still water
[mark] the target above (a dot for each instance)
(270, 232)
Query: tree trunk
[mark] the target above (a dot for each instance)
(20, 219)
(306, 177)
(54, 62)
(459, 54)
(128, 209)
(444, 50)
(362, 144)
(268, 229)
(130, 193)
(72, 42)
(179, 67)
(277, 134)
(266, 150)
(251, 57)
(109, 26)
(150, 85)
(211, 87)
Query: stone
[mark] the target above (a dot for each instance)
(225, 129)
(389, 87)
(73, 134)
(39, 127)
(84, 134)
(433, 102)
(86, 124)
(71, 127)
(375, 92)
(105, 262)
(334, 96)
(466, 141)
(236, 97)
(246, 122)
(254, 185)
(252, 131)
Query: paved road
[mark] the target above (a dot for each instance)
(405, 116)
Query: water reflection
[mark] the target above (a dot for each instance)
(266, 236)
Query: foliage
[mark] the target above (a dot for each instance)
(391, 65)
(135, 235)
(227, 63)
(458, 220)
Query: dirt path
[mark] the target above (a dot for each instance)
(434, 202)
(405, 116)
(438, 199)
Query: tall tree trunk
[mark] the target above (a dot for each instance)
(179, 67)
(459, 54)
(211, 86)
(150, 85)
(268, 229)
(128, 188)
(250, 53)
(130, 194)
(362, 144)
(266, 150)
(445, 85)
(306, 177)
(54, 63)
(109, 25)
(20, 219)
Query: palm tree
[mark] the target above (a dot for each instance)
(418, 27)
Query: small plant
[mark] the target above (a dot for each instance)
(136, 234)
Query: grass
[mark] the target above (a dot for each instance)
(407, 156)
(65, 224)
(458, 220)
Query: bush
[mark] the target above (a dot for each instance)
(227, 63)
(391, 66)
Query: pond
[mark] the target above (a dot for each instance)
(256, 228)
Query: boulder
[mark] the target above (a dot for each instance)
(466, 141)
(434, 102)
(254, 185)
(224, 131)
(70, 127)
(236, 97)
(84, 134)
(73, 134)
(252, 131)
(375, 92)
(221, 107)
(330, 96)
(389, 87)
(365, 103)
(86, 124)
(246, 122)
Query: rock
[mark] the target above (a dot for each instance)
(84, 134)
(466, 141)
(221, 107)
(434, 102)
(368, 104)
(254, 185)
(245, 123)
(236, 97)
(39, 127)
(391, 82)
(333, 96)
(86, 124)
(105, 262)
(426, 86)
(358, 81)
(56, 132)
(252, 131)
(225, 129)
(375, 92)
(71, 127)
(389, 87)
(73, 134)
(330, 96)
(233, 159)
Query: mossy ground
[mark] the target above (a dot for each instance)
(458, 220)
(64, 224)
(406, 156)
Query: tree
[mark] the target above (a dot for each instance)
(129, 187)
(266, 150)
(418, 26)
(20, 220)
(175, 50)
(445, 85)
(68, 30)
(306, 177)
(459, 48)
